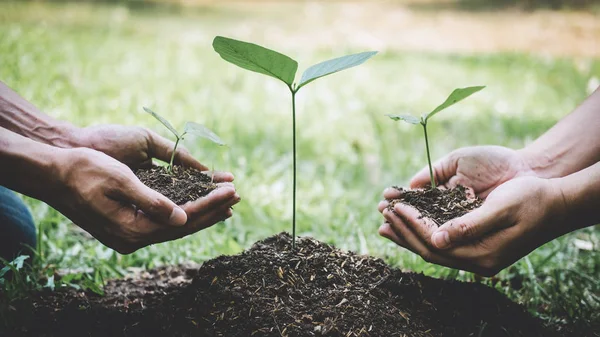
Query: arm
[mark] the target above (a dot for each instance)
(569, 146)
(133, 146)
(23, 118)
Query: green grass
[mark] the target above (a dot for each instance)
(94, 64)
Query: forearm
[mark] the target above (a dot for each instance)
(571, 145)
(581, 195)
(23, 118)
(28, 167)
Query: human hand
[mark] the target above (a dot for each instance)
(105, 198)
(136, 147)
(481, 168)
(517, 217)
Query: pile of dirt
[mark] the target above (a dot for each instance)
(270, 290)
(437, 204)
(180, 186)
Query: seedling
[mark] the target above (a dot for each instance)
(189, 128)
(456, 96)
(271, 63)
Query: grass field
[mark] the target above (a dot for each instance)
(93, 64)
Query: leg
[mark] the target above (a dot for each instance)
(17, 230)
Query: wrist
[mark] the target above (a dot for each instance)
(538, 162)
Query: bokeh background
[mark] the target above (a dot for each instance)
(100, 62)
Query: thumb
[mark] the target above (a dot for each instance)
(443, 170)
(468, 227)
(158, 207)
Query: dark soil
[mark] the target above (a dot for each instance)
(270, 290)
(439, 205)
(185, 184)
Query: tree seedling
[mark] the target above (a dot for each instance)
(456, 96)
(189, 128)
(271, 63)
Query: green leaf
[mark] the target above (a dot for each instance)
(333, 66)
(163, 121)
(202, 131)
(256, 58)
(456, 96)
(406, 118)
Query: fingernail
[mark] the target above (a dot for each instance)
(178, 217)
(441, 239)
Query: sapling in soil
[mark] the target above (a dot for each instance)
(189, 128)
(271, 63)
(178, 183)
(456, 96)
(436, 204)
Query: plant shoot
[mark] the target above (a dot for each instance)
(456, 96)
(271, 63)
(189, 128)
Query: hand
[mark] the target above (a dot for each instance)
(104, 197)
(517, 217)
(481, 168)
(136, 147)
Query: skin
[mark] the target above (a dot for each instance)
(532, 196)
(86, 174)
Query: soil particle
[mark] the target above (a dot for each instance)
(183, 185)
(437, 204)
(270, 290)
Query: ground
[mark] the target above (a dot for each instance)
(100, 63)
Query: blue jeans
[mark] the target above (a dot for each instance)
(17, 230)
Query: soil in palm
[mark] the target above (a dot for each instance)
(437, 204)
(180, 186)
(271, 290)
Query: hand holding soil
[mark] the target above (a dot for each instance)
(104, 197)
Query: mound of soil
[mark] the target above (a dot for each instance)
(183, 185)
(270, 290)
(439, 205)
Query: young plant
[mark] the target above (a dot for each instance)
(189, 128)
(456, 96)
(271, 63)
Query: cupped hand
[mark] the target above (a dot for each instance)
(136, 147)
(105, 198)
(517, 217)
(481, 168)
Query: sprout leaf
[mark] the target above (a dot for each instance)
(456, 96)
(333, 66)
(406, 118)
(256, 58)
(163, 121)
(202, 131)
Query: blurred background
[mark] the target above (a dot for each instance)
(100, 62)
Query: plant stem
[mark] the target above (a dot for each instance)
(294, 160)
(428, 156)
(170, 168)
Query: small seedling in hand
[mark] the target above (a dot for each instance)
(271, 63)
(189, 128)
(456, 96)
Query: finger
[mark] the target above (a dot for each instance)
(213, 200)
(218, 176)
(392, 193)
(469, 227)
(443, 170)
(155, 205)
(414, 244)
(387, 232)
(398, 225)
(162, 148)
(202, 222)
(423, 227)
(383, 205)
